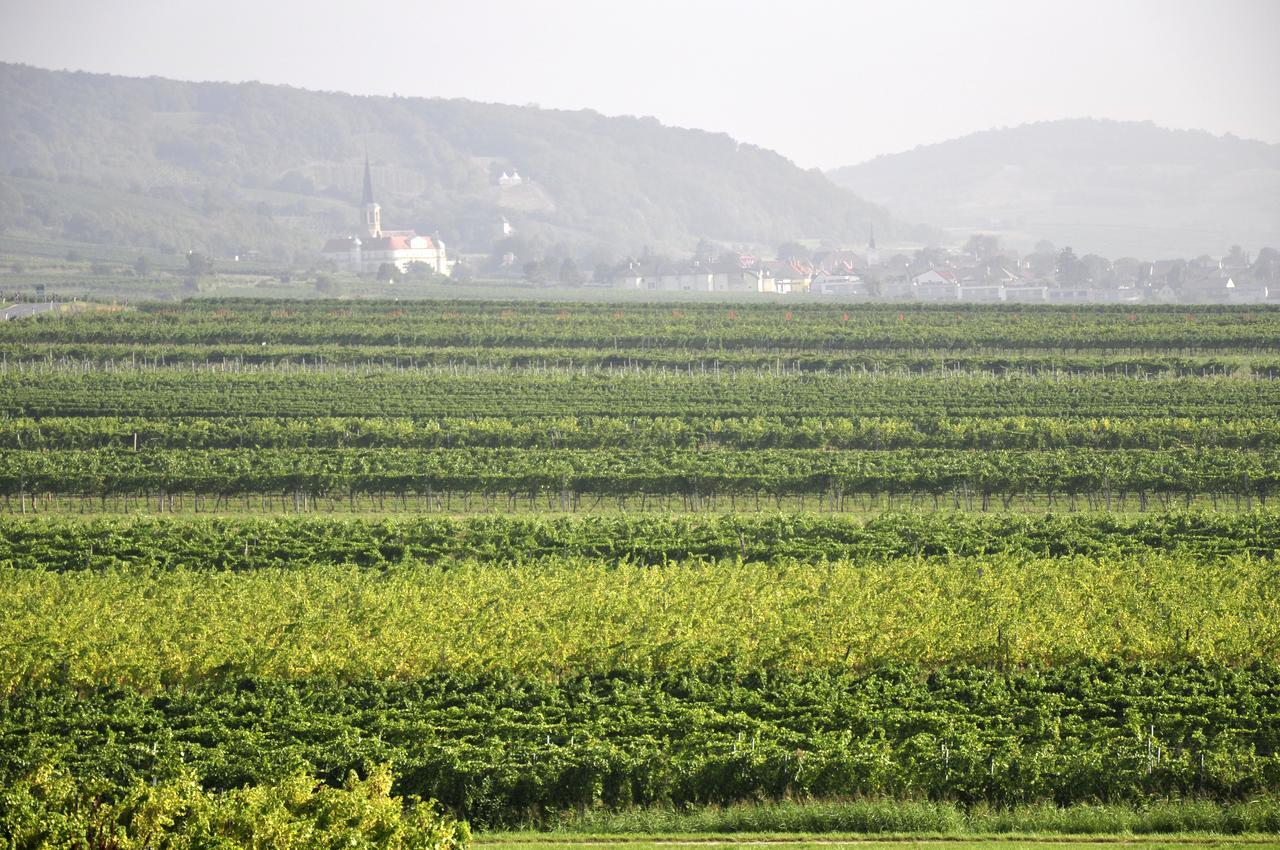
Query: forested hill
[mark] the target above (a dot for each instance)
(1107, 187)
(227, 167)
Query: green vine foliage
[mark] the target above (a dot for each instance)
(503, 749)
(48, 807)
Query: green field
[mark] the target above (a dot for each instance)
(640, 574)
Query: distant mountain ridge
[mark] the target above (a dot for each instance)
(223, 167)
(1107, 187)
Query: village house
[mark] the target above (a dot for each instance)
(897, 288)
(846, 285)
(983, 293)
(1026, 293)
(934, 276)
(936, 284)
(838, 262)
(783, 277)
(1068, 294)
(1240, 292)
(695, 277)
(936, 291)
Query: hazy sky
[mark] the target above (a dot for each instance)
(825, 83)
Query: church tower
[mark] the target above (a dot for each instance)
(372, 211)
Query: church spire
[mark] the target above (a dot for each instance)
(368, 182)
(372, 212)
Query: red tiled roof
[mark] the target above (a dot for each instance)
(386, 243)
(396, 241)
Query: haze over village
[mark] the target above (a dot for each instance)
(221, 186)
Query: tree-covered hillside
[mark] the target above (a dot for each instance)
(225, 168)
(1106, 187)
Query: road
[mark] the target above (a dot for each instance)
(22, 311)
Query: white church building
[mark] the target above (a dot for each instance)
(366, 252)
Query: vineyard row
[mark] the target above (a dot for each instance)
(1153, 330)
(319, 356)
(621, 432)
(563, 617)
(64, 544)
(1152, 478)
(502, 750)
(391, 393)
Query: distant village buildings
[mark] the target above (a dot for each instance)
(691, 277)
(368, 250)
(982, 273)
(937, 275)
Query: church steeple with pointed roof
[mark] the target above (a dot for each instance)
(371, 248)
(372, 210)
(368, 183)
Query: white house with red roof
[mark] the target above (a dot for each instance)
(366, 252)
